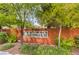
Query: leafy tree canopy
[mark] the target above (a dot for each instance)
(59, 14)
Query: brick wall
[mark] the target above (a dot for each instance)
(52, 34)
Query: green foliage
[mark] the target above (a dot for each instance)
(23, 13)
(7, 38)
(27, 49)
(77, 41)
(43, 50)
(11, 38)
(7, 15)
(3, 37)
(59, 14)
(6, 46)
(66, 43)
(26, 24)
(51, 14)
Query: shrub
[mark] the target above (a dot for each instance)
(3, 37)
(66, 43)
(77, 41)
(11, 38)
(43, 50)
(27, 49)
(6, 46)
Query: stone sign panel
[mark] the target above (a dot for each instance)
(36, 34)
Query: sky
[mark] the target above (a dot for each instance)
(34, 21)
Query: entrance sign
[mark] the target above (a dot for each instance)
(36, 34)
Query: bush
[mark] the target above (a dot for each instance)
(7, 38)
(11, 38)
(6, 46)
(27, 49)
(3, 37)
(77, 41)
(66, 43)
(43, 50)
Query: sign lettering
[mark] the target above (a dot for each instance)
(36, 34)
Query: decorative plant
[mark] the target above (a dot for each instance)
(3, 37)
(77, 41)
(43, 50)
(6, 46)
(66, 43)
(12, 38)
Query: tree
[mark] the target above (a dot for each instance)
(23, 11)
(7, 15)
(16, 14)
(59, 16)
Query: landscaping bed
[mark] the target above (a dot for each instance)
(43, 50)
(6, 46)
(27, 49)
(11, 45)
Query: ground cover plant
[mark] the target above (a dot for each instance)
(6, 46)
(65, 48)
(43, 50)
(3, 37)
(77, 41)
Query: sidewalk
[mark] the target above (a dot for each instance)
(4, 53)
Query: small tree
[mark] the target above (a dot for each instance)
(59, 16)
(23, 11)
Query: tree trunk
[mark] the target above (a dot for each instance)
(22, 27)
(0, 29)
(59, 36)
(21, 39)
